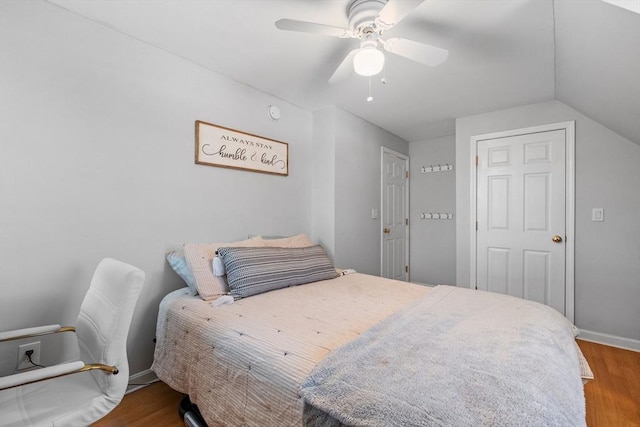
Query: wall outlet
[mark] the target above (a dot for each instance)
(23, 360)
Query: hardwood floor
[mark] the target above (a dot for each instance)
(612, 398)
(155, 405)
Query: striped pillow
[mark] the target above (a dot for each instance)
(252, 271)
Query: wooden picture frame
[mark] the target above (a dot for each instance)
(229, 148)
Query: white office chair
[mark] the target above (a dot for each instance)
(79, 393)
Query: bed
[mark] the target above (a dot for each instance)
(250, 363)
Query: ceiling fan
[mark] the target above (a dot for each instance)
(368, 19)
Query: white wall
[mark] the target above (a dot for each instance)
(356, 186)
(607, 254)
(97, 159)
(323, 180)
(433, 242)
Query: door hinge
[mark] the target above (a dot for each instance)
(406, 268)
(406, 174)
(406, 221)
(476, 160)
(476, 225)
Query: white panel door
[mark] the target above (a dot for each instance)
(521, 217)
(395, 223)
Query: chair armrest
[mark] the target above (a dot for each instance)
(39, 374)
(55, 371)
(33, 332)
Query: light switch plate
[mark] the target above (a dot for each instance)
(374, 213)
(597, 214)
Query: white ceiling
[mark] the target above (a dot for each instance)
(501, 54)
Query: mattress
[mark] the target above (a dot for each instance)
(242, 364)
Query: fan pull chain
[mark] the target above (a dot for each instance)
(384, 75)
(369, 98)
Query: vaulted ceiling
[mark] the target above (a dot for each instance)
(585, 53)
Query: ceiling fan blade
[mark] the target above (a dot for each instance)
(419, 52)
(345, 68)
(394, 11)
(312, 27)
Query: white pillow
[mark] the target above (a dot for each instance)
(298, 241)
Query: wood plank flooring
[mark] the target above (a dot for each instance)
(612, 398)
(155, 405)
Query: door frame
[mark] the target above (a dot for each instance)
(570, 141)
(404, 157)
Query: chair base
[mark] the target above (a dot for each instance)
(190, 413)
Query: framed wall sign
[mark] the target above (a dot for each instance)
(229, 148)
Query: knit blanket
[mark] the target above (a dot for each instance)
(457, 357)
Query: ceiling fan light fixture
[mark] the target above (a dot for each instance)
(369, 61)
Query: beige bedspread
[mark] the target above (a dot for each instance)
(242, 364)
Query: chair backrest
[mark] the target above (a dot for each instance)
(103, 323)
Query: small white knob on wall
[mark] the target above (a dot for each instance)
(274, 112)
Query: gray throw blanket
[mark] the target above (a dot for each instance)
(457, 357)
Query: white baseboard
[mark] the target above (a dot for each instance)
(611, 340)
(141, 380)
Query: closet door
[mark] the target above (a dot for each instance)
(521, 216)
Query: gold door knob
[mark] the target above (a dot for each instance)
(556, 239)
(386, 231)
